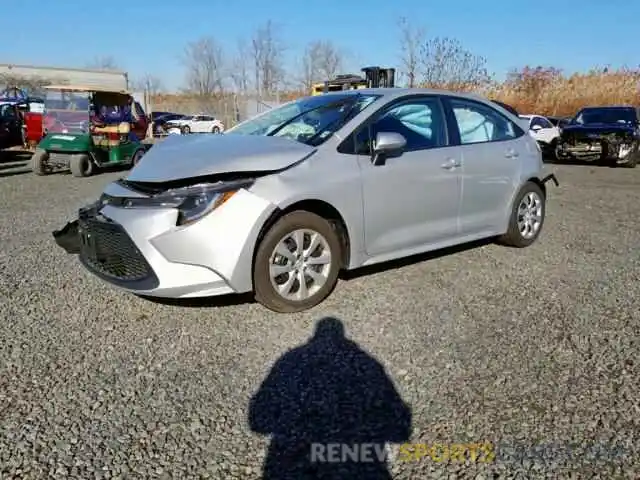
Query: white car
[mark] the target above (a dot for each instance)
(545, 132)
(196, 124)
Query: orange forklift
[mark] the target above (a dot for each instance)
(374, 77)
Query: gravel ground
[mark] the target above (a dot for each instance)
(534, 351)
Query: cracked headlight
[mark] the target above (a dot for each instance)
(192, 203)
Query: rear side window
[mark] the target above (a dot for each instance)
(479, 123)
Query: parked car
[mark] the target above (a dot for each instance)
(196, 124)
(156, 115)
(544, 131)
(610, 134)
(160, 123)
(283, 201)
(10, 125)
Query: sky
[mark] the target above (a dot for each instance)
(149, 37)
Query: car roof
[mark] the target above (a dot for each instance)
(84, 88)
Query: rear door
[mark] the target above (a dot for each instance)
(412, 199)
(491, 147)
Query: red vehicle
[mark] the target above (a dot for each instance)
(33, 128)
(22, 117)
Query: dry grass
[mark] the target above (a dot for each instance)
(539, 90)
(546, 91)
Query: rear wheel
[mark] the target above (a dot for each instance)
(527, 217)
(186, 130)
(39, 162)
(81, 165)
(297, 263)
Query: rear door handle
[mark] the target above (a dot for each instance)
(511, 154)
(450, 164)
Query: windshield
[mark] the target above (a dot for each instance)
(66, 112)
(310, 120)
(589, 116)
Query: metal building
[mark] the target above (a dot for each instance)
(58, 75)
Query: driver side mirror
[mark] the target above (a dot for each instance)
(536, 128)
(388, 144)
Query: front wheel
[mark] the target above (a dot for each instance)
(137, 157)
(186, 130)
(527, 217)
(297, 263)
(81, 165)
(39, 162)
(215, 130)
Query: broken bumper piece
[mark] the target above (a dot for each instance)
(68, 238)
(551, 178)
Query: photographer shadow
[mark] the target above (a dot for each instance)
(328, 392)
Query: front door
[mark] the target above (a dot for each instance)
(491, 150)
(412, 199)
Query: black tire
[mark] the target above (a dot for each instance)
(39, 162)
(513, 237)
(81, 165)
(215, 130)
(550, 155)
(633, 161)
(185, 130)
(265, 293)
(137, 156)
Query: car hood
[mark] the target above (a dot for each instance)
(598, 128)
(181, 157)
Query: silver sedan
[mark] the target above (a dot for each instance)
(283, 202)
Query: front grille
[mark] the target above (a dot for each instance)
(107, 249)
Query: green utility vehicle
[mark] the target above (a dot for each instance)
(87, 128)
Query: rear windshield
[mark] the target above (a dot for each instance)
(589, 116)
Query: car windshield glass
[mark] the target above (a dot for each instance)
(66, 111)
(310, 120)
(605, 116)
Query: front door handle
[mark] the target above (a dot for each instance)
(450, 164)
(511, 154)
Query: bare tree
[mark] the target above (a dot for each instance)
(310, 67)
(150, 84)
(204, 61)
(106, 62)
(411, 40)
(445, 63)
(267, 51)
(31, 84)
(240, 68)
(330, 59)
(322, 60)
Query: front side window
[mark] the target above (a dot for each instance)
(478, 123)
(420, 121)
(537, 122)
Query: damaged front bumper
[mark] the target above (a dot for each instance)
(68, 238)
(143, 250)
